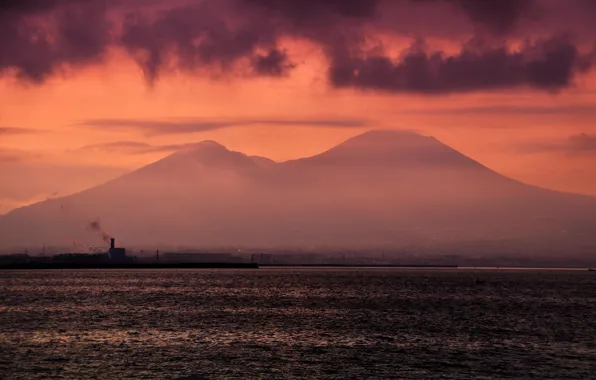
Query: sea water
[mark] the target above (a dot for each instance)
(298, 323)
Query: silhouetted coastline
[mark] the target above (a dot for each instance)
(116, 258)
(73, 265)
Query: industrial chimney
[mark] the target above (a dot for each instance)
(117, 254)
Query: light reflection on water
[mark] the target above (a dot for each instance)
(327, 323)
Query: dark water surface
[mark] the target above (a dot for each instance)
(298, 323)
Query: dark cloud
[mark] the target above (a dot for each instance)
(152, 128)
(72, 33)
(587, 4)
(244, 37)
(307, 10)
(202, 36)
(499, 15)
(198, 37)
(580, 144)
(275, 63)
(33, 6)
(547, 64)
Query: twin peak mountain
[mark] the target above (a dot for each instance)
(381, 189)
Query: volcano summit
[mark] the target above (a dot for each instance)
(389, 189)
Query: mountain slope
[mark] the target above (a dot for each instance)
(380, 188)
(410, 182)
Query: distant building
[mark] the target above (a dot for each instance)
(117, 254)
(113, 254)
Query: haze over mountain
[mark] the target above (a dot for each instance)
(380, 189)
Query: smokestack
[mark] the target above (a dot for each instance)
(112, 245)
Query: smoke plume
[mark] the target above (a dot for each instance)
(95, 226)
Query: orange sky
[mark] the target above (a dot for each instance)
(520, 133)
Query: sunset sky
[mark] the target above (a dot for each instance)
(90, 89)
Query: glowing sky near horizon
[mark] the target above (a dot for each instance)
(90, 89)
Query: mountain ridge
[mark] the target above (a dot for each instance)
(381, 186)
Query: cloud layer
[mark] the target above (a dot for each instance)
(246, 38)
(579, 144)
(582, 144)
(4, 131)
(171, 127)
(131, 147)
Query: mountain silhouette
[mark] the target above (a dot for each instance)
(379, 189)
